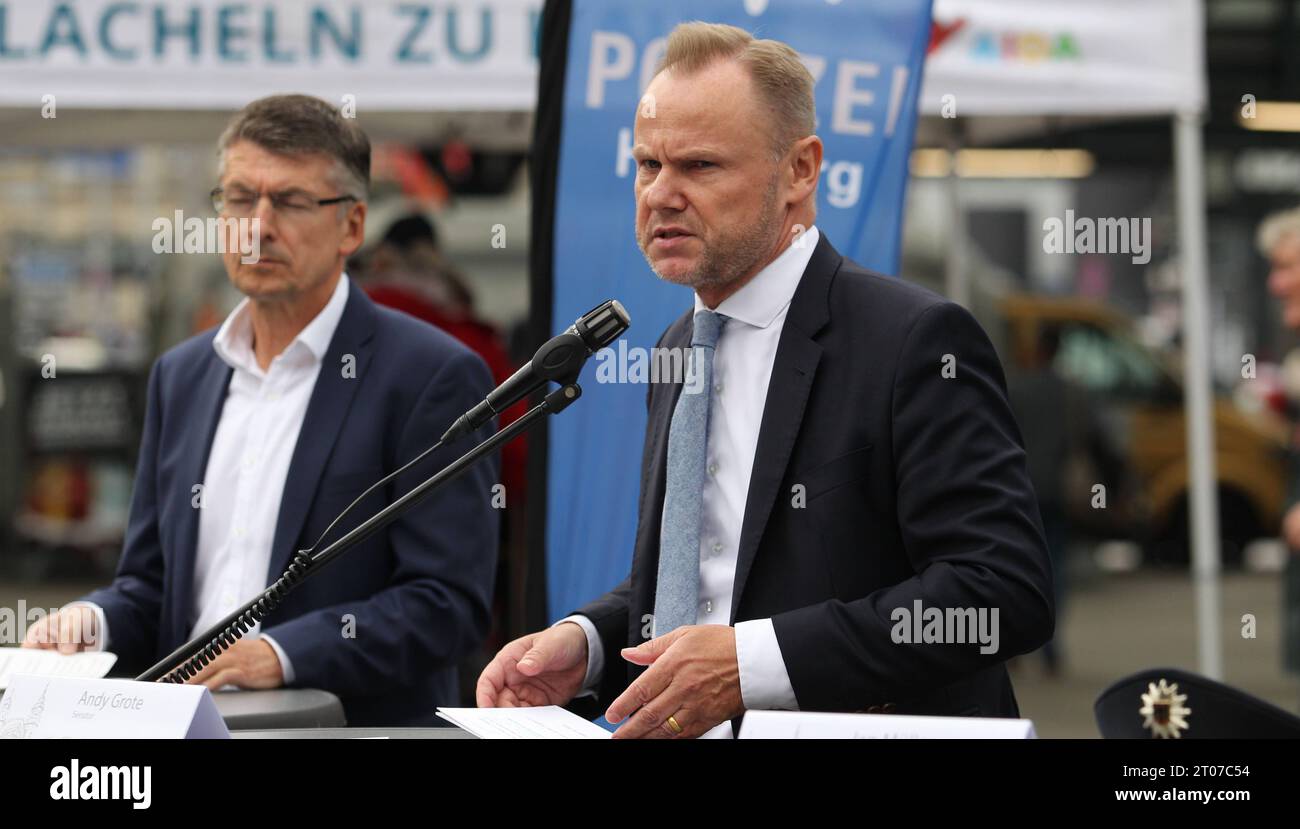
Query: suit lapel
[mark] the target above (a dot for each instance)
(326, 411)
(211, 386)
(797, 356)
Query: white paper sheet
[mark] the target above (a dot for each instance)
(811, 725)
(549, 722)
(14, 661)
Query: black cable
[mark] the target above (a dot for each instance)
(371, 489)
(230, 634)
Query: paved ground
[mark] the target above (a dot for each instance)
(1113, 625)
(1118, 624)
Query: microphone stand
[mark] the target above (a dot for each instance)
(190, 658)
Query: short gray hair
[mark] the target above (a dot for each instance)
(1276, 227)
(303, 125)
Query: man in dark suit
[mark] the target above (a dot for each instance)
(834, 513)
(259, 433)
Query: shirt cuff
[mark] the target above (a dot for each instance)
(101, 626)
(595, 653)
(764, 681)
(286, 667)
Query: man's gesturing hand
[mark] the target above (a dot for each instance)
(693, 678)
(544, 668)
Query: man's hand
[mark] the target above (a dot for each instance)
(249, 663)
(70, 630)
(693, 678)
(544, 668)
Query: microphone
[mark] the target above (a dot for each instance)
(560, 358)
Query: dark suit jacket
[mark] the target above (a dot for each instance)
(915, 488)
(419, 590)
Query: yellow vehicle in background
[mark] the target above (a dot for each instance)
(1135, 394)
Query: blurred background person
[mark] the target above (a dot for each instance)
(1279, 242)
(408, 271)
(1060, 427)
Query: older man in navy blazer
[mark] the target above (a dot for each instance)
(259, 433)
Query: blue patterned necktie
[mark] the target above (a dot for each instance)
(677, 591)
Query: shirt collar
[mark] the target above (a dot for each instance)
(762, 299)
(234, 340)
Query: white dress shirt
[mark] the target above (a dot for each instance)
(742, 369)
(249, 463)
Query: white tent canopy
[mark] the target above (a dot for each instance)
(1023, 58)
(217, 55)
(1067, 57)
(99, 73)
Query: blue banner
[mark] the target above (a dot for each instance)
(866, 58)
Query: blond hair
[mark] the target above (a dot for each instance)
(783, 83)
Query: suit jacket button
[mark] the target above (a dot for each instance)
(873, 709)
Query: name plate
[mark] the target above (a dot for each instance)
(46, 707)
(800, 725)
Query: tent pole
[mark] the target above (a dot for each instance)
(1203, 502)
(957, 262)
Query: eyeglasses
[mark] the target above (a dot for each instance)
(240, 203)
